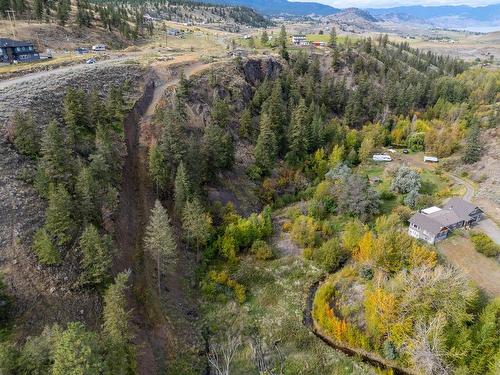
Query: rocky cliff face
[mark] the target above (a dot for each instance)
(43, 294)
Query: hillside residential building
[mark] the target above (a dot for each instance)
(14, 50)
(298, 39)
(433, 224)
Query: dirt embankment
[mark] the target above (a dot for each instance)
(43, 295)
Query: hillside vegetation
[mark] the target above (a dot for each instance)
(252, 162)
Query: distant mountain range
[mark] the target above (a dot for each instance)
(445, 16)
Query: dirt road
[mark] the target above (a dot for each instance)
(150, 326)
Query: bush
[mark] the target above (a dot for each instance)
(484, 244)
(308, 253)
(330, 255)
(8, 358)
(387, 195)
(366, 272)
(261, 250)
(45, 250)
(304, 231)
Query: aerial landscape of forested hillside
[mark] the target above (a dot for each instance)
(234, 188)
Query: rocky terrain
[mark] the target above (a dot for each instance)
(43, 295)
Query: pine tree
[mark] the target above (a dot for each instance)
(264, 39)
(56, 158)
(87, 192)
(298, 138)
(274, 107)
(158, 168)
(196, 224)
(45, 250)
(95, 109)
(182, 188)
(77, 352)
(332, 41)
(472, 147)
(246, 125)
(218, 148)
(38, 9)
(172, 144)
(63, 10)
(159, 241)
(25, 134)
(96, 257)
(117, 335)
(283, 38)
(266, 148)
(58, 216)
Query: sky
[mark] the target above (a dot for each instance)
(393, 3)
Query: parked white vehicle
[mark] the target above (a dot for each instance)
(431, 159)
(98, 47)
(381, 157)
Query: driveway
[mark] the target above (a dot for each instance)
(490, 229)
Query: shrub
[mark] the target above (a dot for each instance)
(330, 255)
(387, 195)
(261, 250)
(403, 212)
(45, 250)
(484, 244)
(304, 231)
(223, 278)
(287, 226)
(308, 253)
(366, 272)
(8, 358)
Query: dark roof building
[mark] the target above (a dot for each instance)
(433, 224)
(15, 50)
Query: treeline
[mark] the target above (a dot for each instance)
(128, 21)
(78, 170)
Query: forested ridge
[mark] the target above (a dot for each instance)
(303, 135)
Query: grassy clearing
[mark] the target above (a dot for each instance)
(273, 312)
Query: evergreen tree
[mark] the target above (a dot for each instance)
(63, 11)
(172, 144)
(117, 335)
(159, 241)
(332, 41)
(182, 188)
(266, 148)
(472, 147)
(25, 134)
(45, 250)
(196, 224)
(75, 114)
(86, 192)
(95, 109)
(275, 109)
(96, 257)
(58, 216)
(298, 138)
(246, 125)
(77, 352)
(219, 114)
(38, 9)
(282, 40)
(158, 168)
(56, 159)
(264, 39)
(218, 148)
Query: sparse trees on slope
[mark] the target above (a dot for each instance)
(158, 240)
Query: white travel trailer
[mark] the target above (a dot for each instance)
(98, 47)
(381, 157)
(431, 159)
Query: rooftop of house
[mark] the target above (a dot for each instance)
(6, 42)
(426, 223)
(461, 207)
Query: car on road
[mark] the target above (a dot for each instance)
(91, 61)
(405, 151)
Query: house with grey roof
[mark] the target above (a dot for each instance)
(433, 224)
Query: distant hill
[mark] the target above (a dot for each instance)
(353, 15)
(282, 7)
(484, 13)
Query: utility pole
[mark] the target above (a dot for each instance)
(12, 18)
